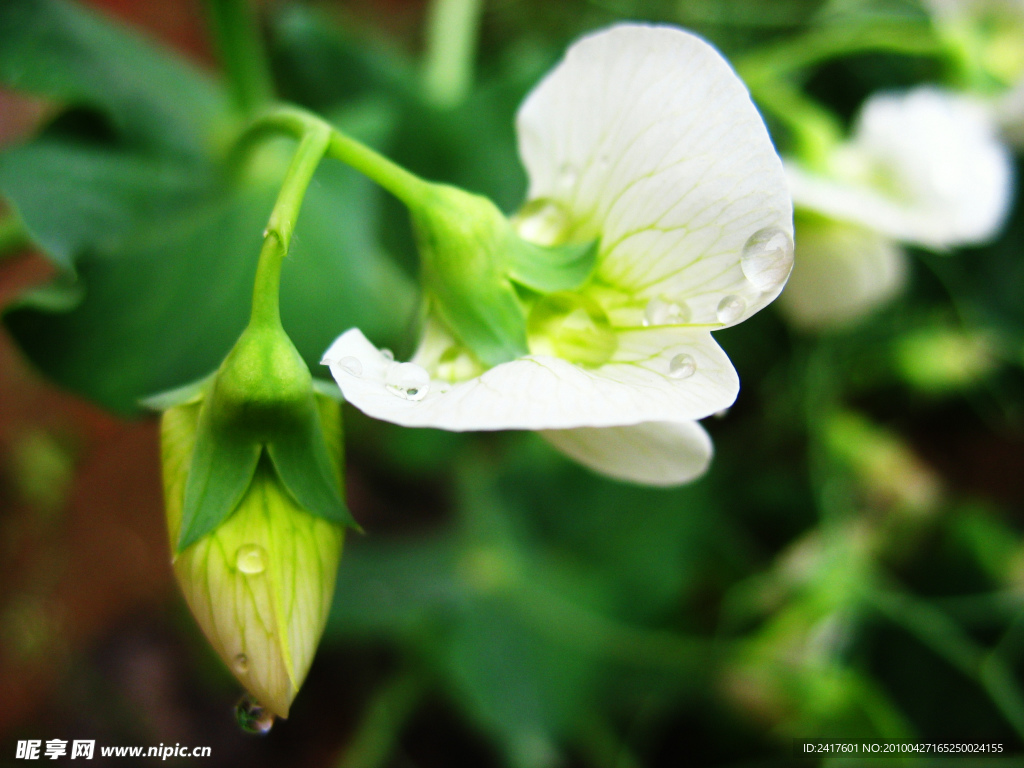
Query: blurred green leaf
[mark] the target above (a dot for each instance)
(155, 100)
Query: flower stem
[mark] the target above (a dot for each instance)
(382, 723)
(452, 30)
(406, 186)
(242, 54)
(278, 235)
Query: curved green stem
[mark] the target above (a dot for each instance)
(790, 56)
(407, 187)
(278, 235)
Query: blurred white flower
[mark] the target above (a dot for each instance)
(644, 140)
(924, 168)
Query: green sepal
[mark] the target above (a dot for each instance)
(183, 395)
(551, 268)
(221, 469)
(303, 462)
(463, 241)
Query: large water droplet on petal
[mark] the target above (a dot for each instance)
(387, 353)
(661, 311)
(682, 366)
(767, 258)
(251, 559)
(240, 663)
(542, 221)
(351, 365)
(730, 308)
(407, 380)
(251, 716)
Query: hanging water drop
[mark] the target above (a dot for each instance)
(682, 366)
(351, 365)
(387, 353)
(767, 258)
(408, 381)
(730, 308)
(251, 559)
(240, 663)
(660, 311)
(252, 717)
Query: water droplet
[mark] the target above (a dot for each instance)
(721, 414)
(407, 380)
(660, 311)
(730, 308)
(567, 176)
(251, 716)
(351, 365)
(266, 232)
(251, 559)
(387, 353)
(682, 366)
(767, 258)
(240, 663)
(542, 221)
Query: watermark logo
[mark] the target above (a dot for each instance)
(37, 749)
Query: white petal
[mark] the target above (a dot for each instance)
(655, 453)
(924, 167)
(842, 272)
(647, 139)
(537, 392)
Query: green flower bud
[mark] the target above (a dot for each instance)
(474, 260)
(252, 477)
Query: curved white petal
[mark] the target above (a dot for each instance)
(842, 273)
(653, 453)
(646, 138)
(925, 167)
(536, 392)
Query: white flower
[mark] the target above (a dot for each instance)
(644, 140)
(923, 168)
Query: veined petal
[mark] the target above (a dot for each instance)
(656, 374)
(644, 138)
(924, 167)
(842, 272)
(654, 453)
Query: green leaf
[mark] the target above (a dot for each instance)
(155, 99)
(104, 194)
(554, 268)
(221, 469)
(303, 462)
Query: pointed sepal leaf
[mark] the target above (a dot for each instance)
(187, 393)
(222, 467)
(547, 269)
(306, 467)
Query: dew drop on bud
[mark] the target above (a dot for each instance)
(682, 366)
(408, 381)
(351, 365)
(251, 559)
(661, 311)
(767, 258)
(387, 353)
(251, 716)
(730, 308)
(240, 663)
